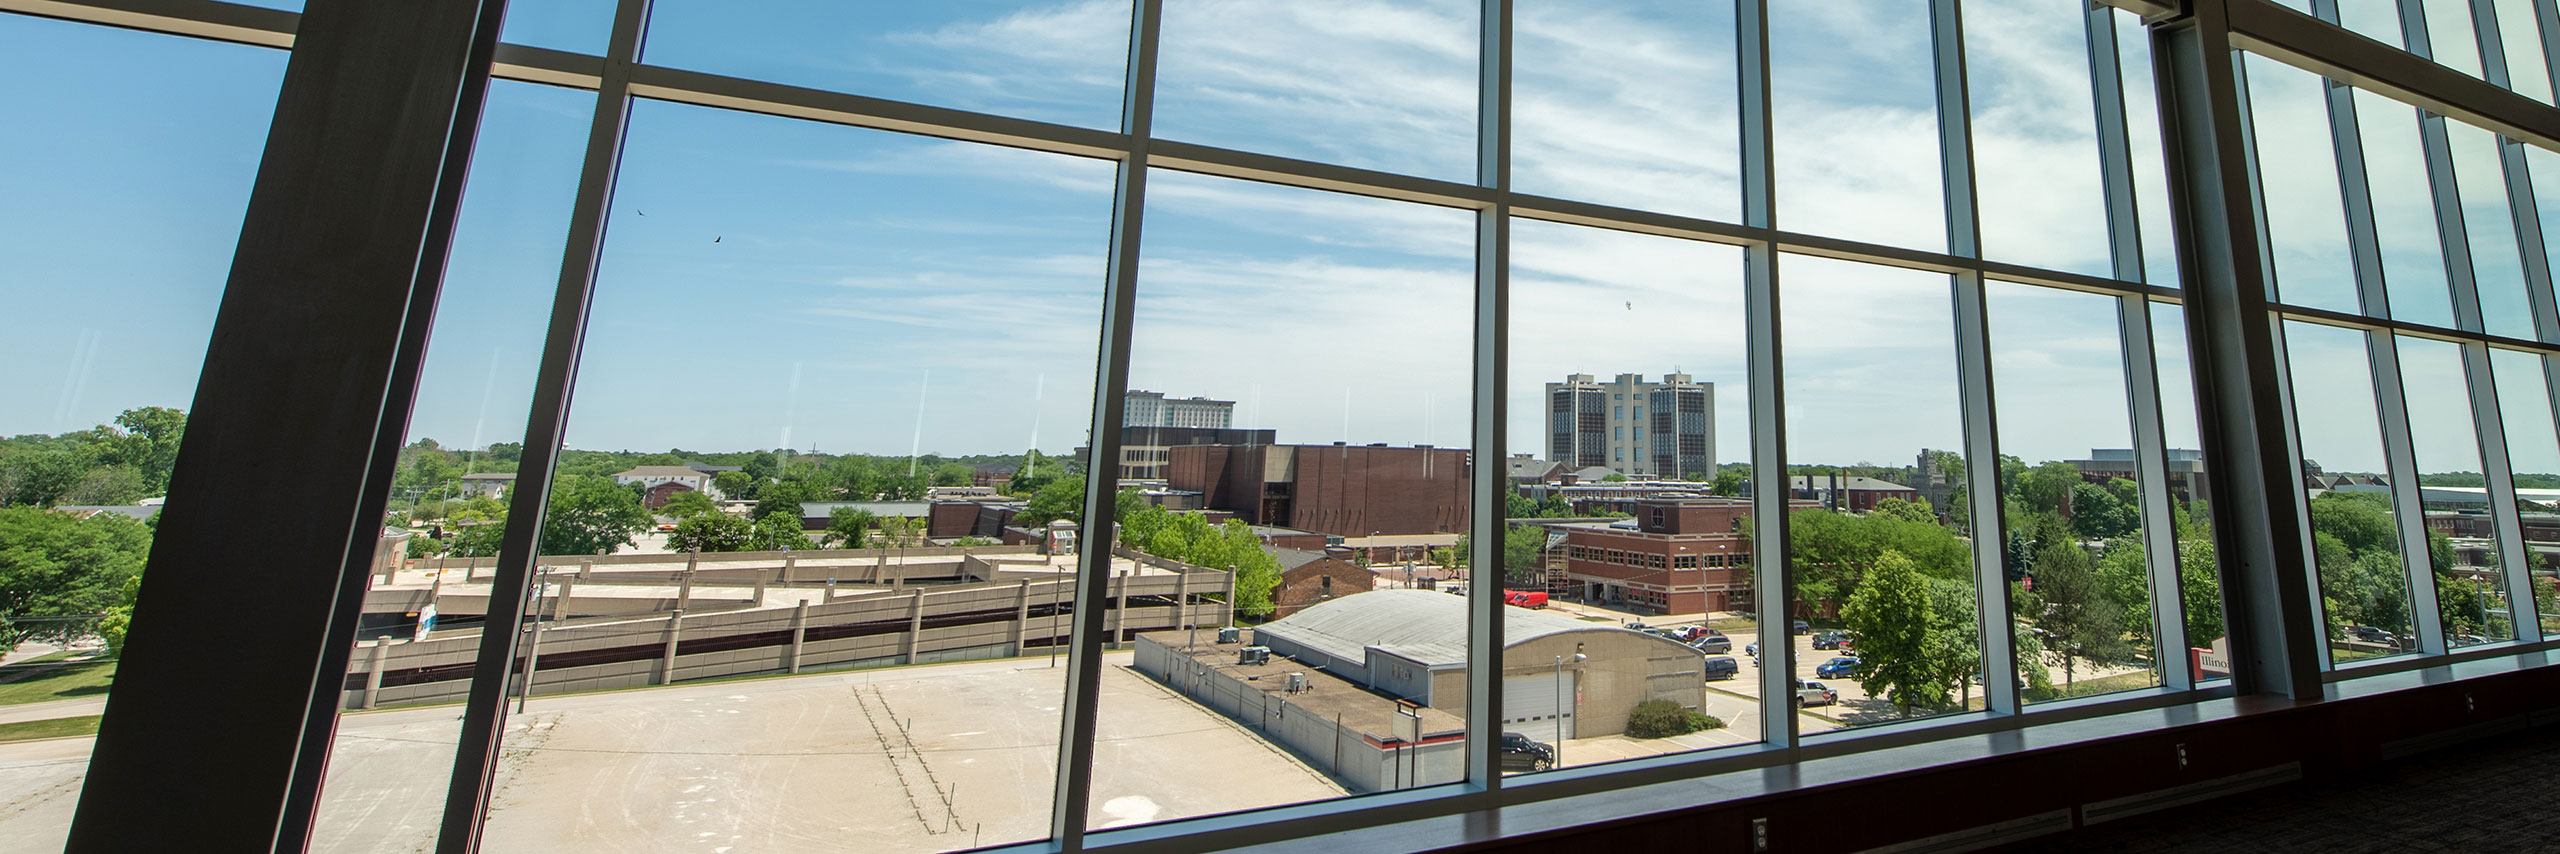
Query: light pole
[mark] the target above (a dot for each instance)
(1577, 661)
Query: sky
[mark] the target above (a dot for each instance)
(767, 282)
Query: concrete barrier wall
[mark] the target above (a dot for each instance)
(985, 620)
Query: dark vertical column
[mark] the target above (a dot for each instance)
(219, 730)
(2239, 374)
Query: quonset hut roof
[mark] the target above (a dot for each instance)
(1427, 627)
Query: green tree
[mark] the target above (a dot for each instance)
(590, 515)
(688, 503)
(778, 532)
(1908, 511)
(1728, 482)
(53, 565)
(901, 531)
(1614, 477)
(2101, 513)
(1060, 499)
(849, 527)
(736, 485)
(712, 532)
(149, 444)
(2081, 618)
(1897, 635)
(107, 485)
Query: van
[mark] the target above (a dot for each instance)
(1721, 667)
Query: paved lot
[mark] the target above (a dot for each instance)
(908, 759)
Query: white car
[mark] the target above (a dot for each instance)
(1812, 693)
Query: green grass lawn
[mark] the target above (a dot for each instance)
(61, 683)
(55, 728)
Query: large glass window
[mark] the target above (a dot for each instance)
(1285, 306)
(2355, 533)
(1877, 544)
(127, 161)
(426, 602)
(1691, 680)
(865, 356)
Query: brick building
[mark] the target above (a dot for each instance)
(1345, 490)
(1677, 556)
(1851, 493)
(1311, 577)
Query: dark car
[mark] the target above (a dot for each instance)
(1830, 639)
(1713, 644)
(2369, 634)
(1837, 668)
(1521, 753)
(1722, 667)
(1800, 627)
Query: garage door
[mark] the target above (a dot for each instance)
(1530, 706)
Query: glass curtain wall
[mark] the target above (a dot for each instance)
(859, 287)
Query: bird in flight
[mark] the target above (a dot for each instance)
(715, 239)
(1631, 306)
(639, 211)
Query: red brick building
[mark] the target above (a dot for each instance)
(1345, 490)
(1309, 577)
(1677, 556)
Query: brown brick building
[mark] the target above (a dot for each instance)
(1677, 556)
(1311, 577)
(1345, 490)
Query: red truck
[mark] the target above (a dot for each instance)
(1525, 598)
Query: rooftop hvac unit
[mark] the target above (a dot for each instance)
(1230, 634)
(1254, 655)
(1297, 683)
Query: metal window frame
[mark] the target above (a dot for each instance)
(2236, 346)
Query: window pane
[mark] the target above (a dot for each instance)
(2449, 36)
(2521, 36)
(394, 753)
(2462, 533)
(1370, 83)
(2364, 584)
(2035, 135)
(2080, 577)
(1854, 114)
(783, 297)
(1898, 578)
(127, 166)
(2378, 20)
(2404, 210)
(2298, 180)
(1357, 434)
(1627, 102)
(1052, 60)
(2495, 265)
(2191, 491)
(2533, 450)
(581, 26)
(1682, 563)
(2150, 175)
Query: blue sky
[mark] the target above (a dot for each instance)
(824, 287)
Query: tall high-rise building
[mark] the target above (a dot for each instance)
(1153, 409)
(1660, 429)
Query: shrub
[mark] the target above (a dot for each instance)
(1702, 720)
(1662, 719)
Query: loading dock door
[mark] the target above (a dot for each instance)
(1531, 707)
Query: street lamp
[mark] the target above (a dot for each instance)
(1577, 661)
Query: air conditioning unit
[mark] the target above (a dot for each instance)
(1230, 634)
(1297, 683)
(1254, 655)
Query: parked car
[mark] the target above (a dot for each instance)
(1721, 667)
(2469, 640)
(1713, 643)
(1831, 639)
(1800, 627)
(1842, 667)
(1692, 634)
(2369, 634)
(1521, 753)
(1812, 693)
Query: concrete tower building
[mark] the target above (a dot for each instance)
(1657, 429)
(1153, 409)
